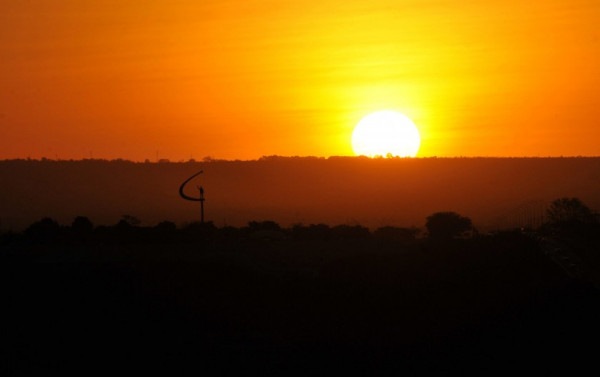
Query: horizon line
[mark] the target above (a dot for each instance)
(272, 157)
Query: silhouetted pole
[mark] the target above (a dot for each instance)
(199, 199)
(201, 204)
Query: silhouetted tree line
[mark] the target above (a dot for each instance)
(129, 230)
(566, 217)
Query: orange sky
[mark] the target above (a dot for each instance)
(240, 79)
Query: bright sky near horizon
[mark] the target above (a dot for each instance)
(239, 79)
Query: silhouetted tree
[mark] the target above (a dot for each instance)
(350, 232)
(198, 231)
(45, 230)
(571, 218)
(569, 210)
(164, 231)
(447, 225)
(166, 227)
(82, 225)
(129, 220)
(265, 230)
(392, 233)
(311, 232)
(264, 225)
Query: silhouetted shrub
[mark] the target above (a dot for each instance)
(267, 230)
(45, 230)
(311, 232)
(129, 220)
(391, 233)
(82, 225)
(350, 232)
(197, 231)
(569, 210)
(570, 217)
(166, 226)
(447, 225)
(263, 225)
(229, 233)
(164, 231)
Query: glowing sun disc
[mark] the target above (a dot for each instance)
(386, 133)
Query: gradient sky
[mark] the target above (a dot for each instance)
(240, 79)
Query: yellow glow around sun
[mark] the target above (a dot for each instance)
(386, 133)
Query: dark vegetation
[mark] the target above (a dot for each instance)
(303, 300)
(496, 193)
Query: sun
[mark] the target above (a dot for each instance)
(386, 133)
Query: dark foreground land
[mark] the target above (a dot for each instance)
(238, 303)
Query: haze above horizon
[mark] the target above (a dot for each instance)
(244, 79)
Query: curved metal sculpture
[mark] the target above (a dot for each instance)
(199, 199)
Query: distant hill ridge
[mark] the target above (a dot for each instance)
(289, 190)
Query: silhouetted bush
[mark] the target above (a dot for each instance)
(229, 233)
(570, 217)
(311, 232)
(350, 232)
(569, 210)
(254, 226)
(165, 231)
(392, 233)
(267, 230)
(129, 220)
(45, 230)
(447, 225)
(198, 231)
(166, 227)
(82, 225)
